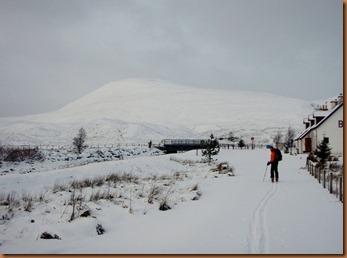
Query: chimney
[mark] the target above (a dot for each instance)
(340, 99)
(324, 107)
(333, 103)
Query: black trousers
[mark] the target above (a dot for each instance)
(274, 170)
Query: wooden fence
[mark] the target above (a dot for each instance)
(334, 183)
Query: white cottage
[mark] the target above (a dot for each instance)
(324, 125)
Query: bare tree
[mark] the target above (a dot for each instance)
(289, 139)
(79, 140)
(231, 137)
(277, 139)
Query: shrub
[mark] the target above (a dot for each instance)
(60, 187)
(27, 201)
(11, 200)
(99, 194)
(3, 152)
(42, 197)
(46, 235)
(113, 178)
(212, 148)
(195, 187)
(17, 155)
(197, 196)
(323, 152)
(223, 168)
(79, 140)
(76, 203)
(163, 206)
(99, 229)
(86, 214)
(153, 193)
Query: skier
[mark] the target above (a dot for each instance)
(274, 164)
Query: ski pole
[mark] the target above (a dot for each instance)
(265, 173)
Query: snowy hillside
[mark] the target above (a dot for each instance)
(124, 199)
(139, 110)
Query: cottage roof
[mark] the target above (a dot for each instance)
(314, 127)
(320, 113)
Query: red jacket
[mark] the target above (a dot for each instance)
(273, 155)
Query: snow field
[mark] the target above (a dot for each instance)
(238, 214)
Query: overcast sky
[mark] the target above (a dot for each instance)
(56, 51)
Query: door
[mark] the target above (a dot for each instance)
(308, 145)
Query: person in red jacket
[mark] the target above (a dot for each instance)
(274, 165)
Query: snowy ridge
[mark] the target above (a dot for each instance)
(137, 110)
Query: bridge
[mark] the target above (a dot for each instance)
(176, 145)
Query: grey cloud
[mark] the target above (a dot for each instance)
(59, 50)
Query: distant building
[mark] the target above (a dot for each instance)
(324, 124)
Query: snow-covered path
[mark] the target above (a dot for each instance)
(235, 215)
(248, 215)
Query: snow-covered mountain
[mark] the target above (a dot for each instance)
(139, 110)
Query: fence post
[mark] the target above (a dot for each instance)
(331, 182)
(324, 178)
(341, 189)
(318, 175)
(312, 169)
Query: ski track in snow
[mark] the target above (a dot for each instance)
(257, 241)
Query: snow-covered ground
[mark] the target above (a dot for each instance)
(131, 199)
(60, 158)
(210, 213)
